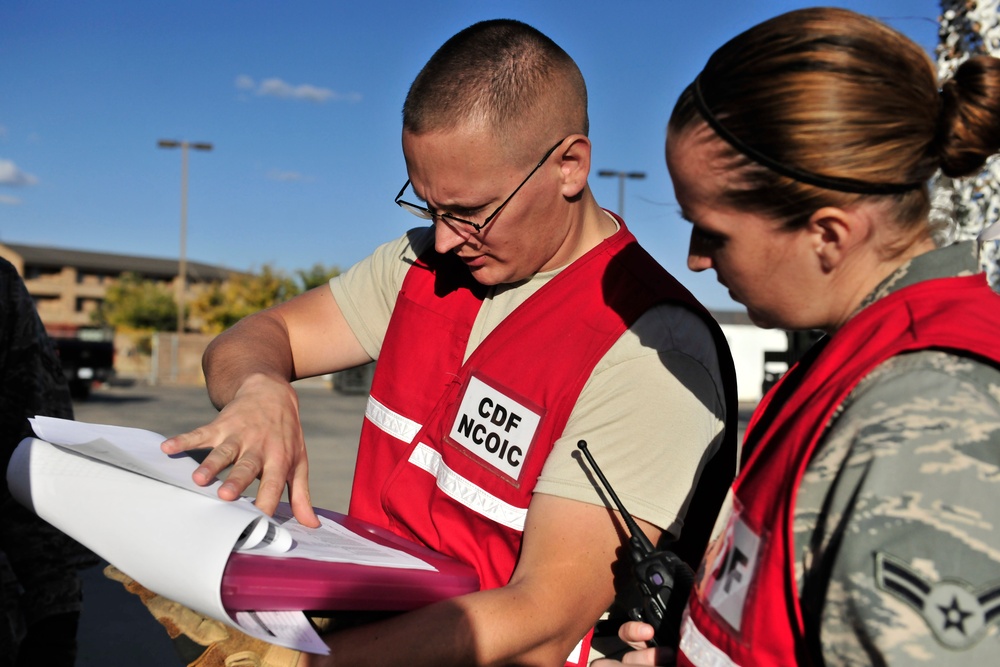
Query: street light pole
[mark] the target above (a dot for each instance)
(621, 176)
(182, 265)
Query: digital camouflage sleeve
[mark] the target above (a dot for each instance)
(897, 521)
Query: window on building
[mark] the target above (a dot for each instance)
(40, 272)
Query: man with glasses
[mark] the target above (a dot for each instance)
(522, 320)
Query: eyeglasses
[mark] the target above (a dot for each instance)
(427, 214)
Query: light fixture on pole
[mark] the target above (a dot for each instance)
(621, 176)
(182, 265)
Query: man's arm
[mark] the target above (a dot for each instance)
(249, 369)
(563, 582)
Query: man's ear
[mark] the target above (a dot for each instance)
(836, 233)
(574, 163)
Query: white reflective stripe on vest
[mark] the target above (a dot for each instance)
(699, 650)
(574, 656)
(391, 422)
(467, 492)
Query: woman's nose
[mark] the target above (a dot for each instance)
(699, 262)
(699, 257)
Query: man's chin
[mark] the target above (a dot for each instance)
(487, 275)
(485, 278)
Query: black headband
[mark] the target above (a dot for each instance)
(820, 181)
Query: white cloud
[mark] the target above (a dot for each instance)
(9, 201)
(10, 174)
(274, 87)
(279, 88)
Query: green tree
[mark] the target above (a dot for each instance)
(133, 303)
(315, 276)
(221, 306)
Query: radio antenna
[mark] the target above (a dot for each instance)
(633, 527)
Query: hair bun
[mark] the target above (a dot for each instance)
(970, 116)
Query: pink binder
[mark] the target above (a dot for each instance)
(252, 582)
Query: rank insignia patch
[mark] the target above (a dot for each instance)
(956, 614)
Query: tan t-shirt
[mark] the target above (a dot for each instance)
(652, 411)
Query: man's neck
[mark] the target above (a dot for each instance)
(592, 226)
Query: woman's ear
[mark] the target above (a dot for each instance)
(574, 163)
(836, 233)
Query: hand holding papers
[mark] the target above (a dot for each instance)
(113, 490)
(173, 537)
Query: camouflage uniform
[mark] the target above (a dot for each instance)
(40, 590)
(897, 520)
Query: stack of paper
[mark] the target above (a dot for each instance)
(113, 490)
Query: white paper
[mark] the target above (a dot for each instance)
(334, 543)
(284, 628)
(173, 539)
(127, 448)
(137, 450)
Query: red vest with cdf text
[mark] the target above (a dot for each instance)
(745, 607)
(450, 451)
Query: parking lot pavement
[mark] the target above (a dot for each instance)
(115, 629)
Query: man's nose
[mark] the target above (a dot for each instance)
(446, 237)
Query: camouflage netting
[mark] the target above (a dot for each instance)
(962, 209)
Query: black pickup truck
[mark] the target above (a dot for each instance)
(87, 356)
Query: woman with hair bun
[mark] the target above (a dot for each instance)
(864, 527)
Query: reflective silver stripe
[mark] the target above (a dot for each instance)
(699, 650)
(467, 492)
(574, 657)
(392, 423)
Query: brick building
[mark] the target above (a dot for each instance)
(68, 286)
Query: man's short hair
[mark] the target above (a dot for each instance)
(503, 75)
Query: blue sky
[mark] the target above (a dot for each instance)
(301, 100)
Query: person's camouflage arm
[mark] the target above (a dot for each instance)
(897, 526)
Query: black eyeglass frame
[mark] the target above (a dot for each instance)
(427, 214)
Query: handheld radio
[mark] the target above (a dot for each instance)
(663, 578)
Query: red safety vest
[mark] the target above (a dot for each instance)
(745, 608)
(450, 451)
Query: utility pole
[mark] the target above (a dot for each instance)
(182, 263)
(621, 176)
